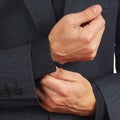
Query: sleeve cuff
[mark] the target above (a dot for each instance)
(109, 86)
(41, 59)
(16, 78)
(101, 112)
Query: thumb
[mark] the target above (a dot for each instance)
(57, 73)
(88, 14)
(66, 75)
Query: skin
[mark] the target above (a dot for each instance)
(67, 92)
(79, 34)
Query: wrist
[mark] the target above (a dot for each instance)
(54, 50)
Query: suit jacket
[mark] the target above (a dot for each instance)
(25, 56)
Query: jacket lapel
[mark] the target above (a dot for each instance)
(41, 12)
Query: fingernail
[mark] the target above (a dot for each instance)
(97, 9)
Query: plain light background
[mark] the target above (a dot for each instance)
(114, 65)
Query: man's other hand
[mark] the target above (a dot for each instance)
(76, 37)
(67, 92)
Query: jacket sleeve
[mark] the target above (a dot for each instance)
(100, 112)
(109, 85)
(41, 58)
(20, 62)
(110, 89)
(17, 85)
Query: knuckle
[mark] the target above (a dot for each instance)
(102, 21)
(88, 38)
(52, 108)
(57, 101)
(92, 56)
(64, 92)
(77, 74)
(68, 19)
(49, 108)
(92, 49)
(44, 79)
(60, 72)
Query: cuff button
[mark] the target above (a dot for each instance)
(18, 92)
(6, 93)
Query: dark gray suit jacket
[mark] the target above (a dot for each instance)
(25, 56)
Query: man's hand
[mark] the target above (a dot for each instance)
(67, 92)
(76, 37)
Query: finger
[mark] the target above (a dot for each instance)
(94, 45)
(53, 83)
(41, 95)
(46, 103)
(97, 40)
(45, 98)
(56, 73)
(52, 101)
(66, 75)
(50, 93)
(88, 14)
(46, 107)
(64, 110)
(95, 26)
(58, 109)
(91, 48)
